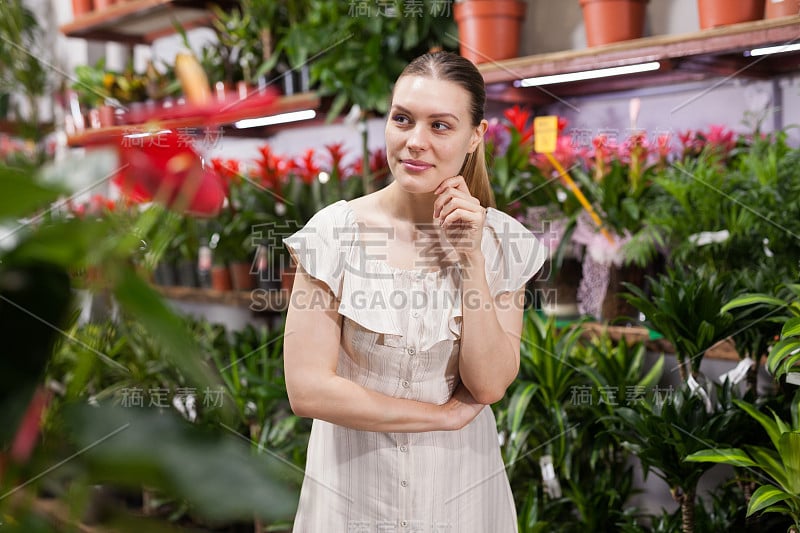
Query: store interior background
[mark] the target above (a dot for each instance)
(549, 27)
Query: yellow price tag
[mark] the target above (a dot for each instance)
(545, 134)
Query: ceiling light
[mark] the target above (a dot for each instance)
(283, 118)
(773, 50)
(588, 74)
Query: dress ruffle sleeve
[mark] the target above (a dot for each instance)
(513, 254)
(323, 245)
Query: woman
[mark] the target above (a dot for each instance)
(405, 324)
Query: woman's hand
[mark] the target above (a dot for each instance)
(460, 215)
(461, 409)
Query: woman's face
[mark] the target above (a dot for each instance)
(429, 132)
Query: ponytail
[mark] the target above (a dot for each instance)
(477, 176)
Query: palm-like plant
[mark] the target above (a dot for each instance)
(784, 356)
(781, 463)
(662, 434)
(685, 308)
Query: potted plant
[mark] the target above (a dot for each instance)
(609, 21)
(778, 463)
(715, 13)
(489, 30)
(664, 432)
(684, 306)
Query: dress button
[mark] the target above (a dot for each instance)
(415, 314)
(403, 523)
(405, 384)
(403, 448)
(404, 483)
(411, 350)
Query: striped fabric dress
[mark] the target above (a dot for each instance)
(401, 332)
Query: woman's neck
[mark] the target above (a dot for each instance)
(405, 206)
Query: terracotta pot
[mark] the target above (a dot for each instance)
(781, 8)
(220, 278)
(79, 7)
(489, 29)
(610, 21)
(241, 277)
(102, 4)
(715, 13)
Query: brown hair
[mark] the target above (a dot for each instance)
(454, 68)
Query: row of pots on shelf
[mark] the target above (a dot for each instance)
(490, 29)
(232, 277)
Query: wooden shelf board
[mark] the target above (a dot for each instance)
(724, 350)
(259, 300)
(723, 46)
(285, 104)
(140, 21)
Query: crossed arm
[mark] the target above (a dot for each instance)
(311, 350)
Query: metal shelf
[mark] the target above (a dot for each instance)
(141, 21)
(717, 52)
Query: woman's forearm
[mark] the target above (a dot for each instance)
(342, 402)
(488, 362)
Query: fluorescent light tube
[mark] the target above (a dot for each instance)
(589, 74)
(275, 119)
(773, 50)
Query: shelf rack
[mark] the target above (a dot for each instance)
(717, 52)
(141, 21)
(284, 104)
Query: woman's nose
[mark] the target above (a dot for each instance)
(417, 138)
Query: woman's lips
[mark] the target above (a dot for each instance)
(413, 165)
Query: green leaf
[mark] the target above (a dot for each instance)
(779, 352)
(146, 305)
(199, 466)
(519, 405)
(22, 194)
(791, 327)
(768, 424)
(789, 449)
(751, 299)
(653, 375)
(770, 462)
(765, 496)
(730, 456)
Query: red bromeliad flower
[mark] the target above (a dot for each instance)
(228, 170)
(721, 138)
(519, 119)
(163, 167)
(306, 168)
(634, 153)
(336, 153)
(378, 164)
(273, 169)
(604, 150)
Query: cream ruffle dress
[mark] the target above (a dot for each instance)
(401, 332)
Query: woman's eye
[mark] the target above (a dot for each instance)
(440, 126)
(400, 119)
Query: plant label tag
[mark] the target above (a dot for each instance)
(549, 479)
(698, 389)
(739, 372)
(793, 378)
(545, 134)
